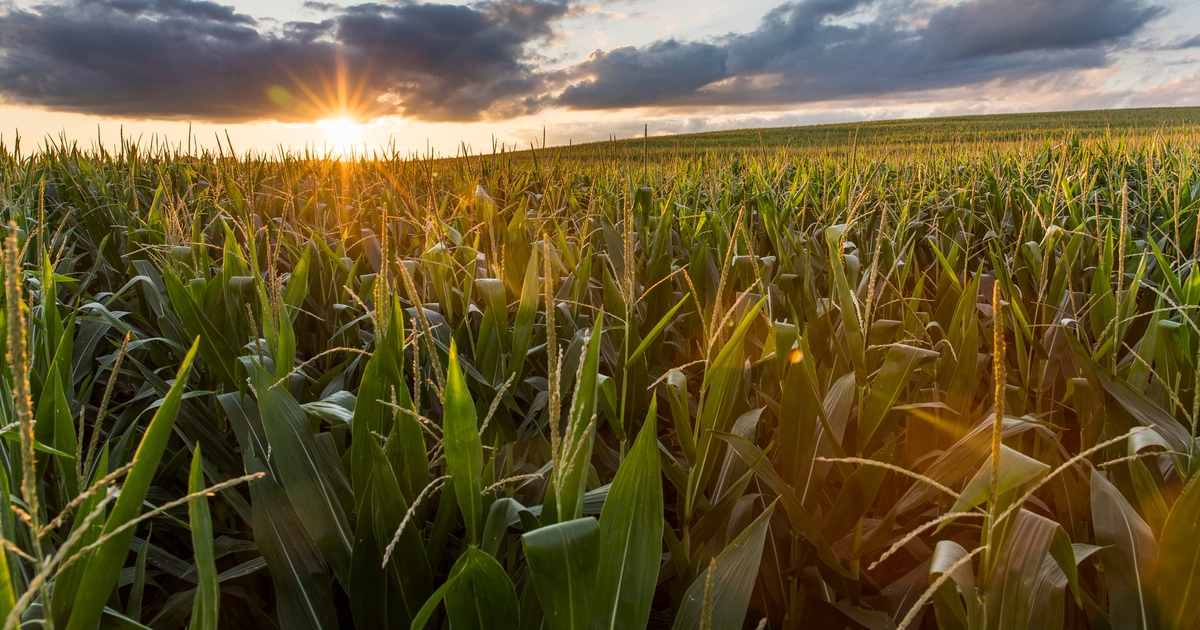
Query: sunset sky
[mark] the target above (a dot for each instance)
(288, 73)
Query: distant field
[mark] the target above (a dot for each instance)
(890, 135)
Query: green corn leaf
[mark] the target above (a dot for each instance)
(67, 582)
(283, 351)
(722, 381)
(51, 319)
(955, 603)
(658, 328)
(580, 432)
(133, 609)
(609, 405)
(631, 535)
(719, 515)
(385, 597)
(1178, 565)
(734, 343)
(1149, 497)
(65, 442)
(371, 602)
(1063, 554)
(786, 336)
(431, 605)
(677, 396)
(1016, 470)
(464, 451)
(563, 559)
(755, 459)
(733, 468)
(1049, 590)
(1010, 590)
(733, 580)
(297, 284)
(381, 378)
(8, 593)
(797, 420)
(851, 323)
(501, 514)
(405, 447)
(297, 458)
(1136, 404)
(1128, 555)
(857, 495)
(479, 595)
(443, 521)
(886, 387)
(15, 437)
(104, 565)
(526, 310)
(219, 357)
(1173, 283)
(206, 607)
(63, 434)
(955, 464)
(299, 574)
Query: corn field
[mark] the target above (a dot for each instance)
(947, 386)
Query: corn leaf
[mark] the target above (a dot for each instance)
(206, 607)
(1128, 554)
(733, 580)
(1178, 565)
(1010, 591)
(522, 332)
(464, 451)
(299, 573)
(296, 456)
(631, 535)
(581, 432)
(479, 596)
(563, 559)
(955, 603)
(104, 564)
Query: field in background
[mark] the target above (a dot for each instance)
(910, 374)
(894, 136)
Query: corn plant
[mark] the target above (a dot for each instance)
(901, 375)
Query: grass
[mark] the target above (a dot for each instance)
(917, 374)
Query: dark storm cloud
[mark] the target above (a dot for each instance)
(827, 49)
(996, 27)
(189, 59)
(655, 74)
(201, 60)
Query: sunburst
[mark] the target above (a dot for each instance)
(337, 102)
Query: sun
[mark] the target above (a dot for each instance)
(342, 130)
(341, 104)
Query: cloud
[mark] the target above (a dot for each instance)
(1184, 42)
(653, 75)
(201, 60)
(983, 28)
(820, 50)
(190, 59)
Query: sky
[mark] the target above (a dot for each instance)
(344, 75)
